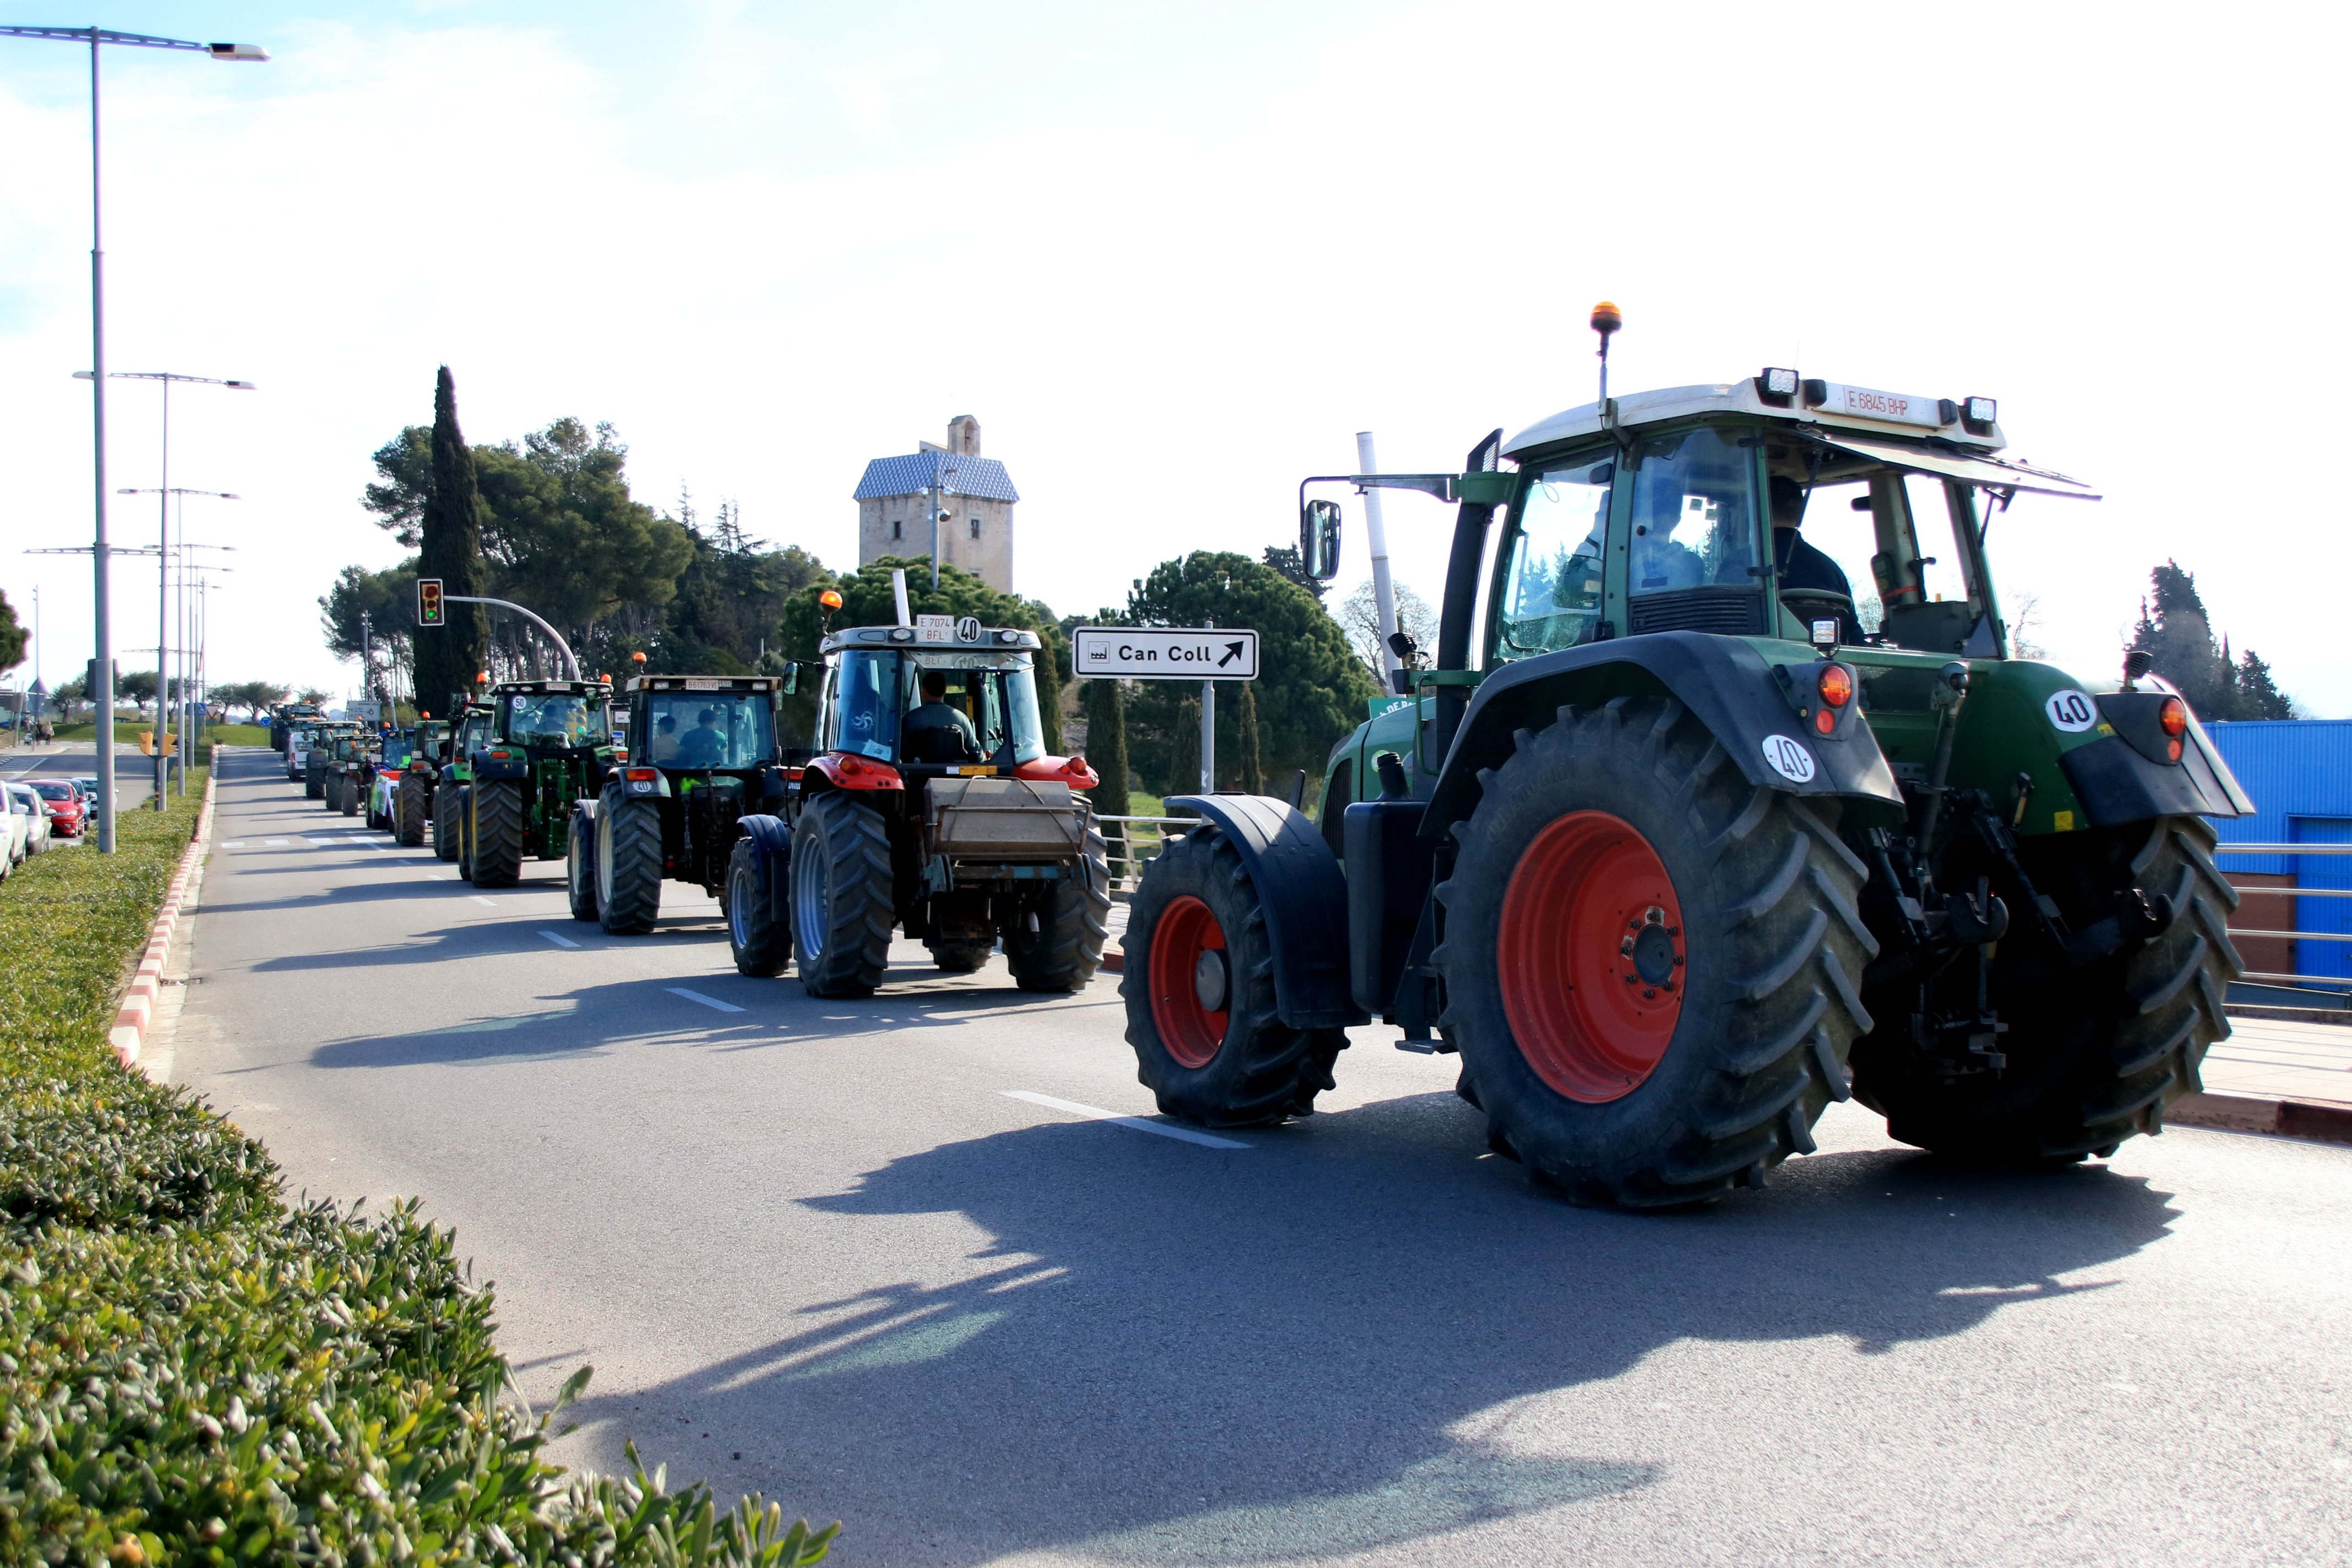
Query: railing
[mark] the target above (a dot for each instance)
(2274, 977)
(1130, 850)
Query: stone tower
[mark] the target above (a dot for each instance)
(894, 506)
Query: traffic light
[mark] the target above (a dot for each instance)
(428, 602)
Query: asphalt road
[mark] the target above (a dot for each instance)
(826, 1250)
(134, 774)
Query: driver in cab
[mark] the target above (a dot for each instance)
(1804, 567)
(936, 714)
(704, 745)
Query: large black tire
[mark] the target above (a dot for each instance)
(841, 897)
(314, 777)
(761, 943)
(1207, 1043)
(448, 818)
(494, 831)
(1673, 1100)
(408, 813)
(628, 864)
(464, 834)
(961, 957)
(580, 864)
(2094, 1055)
(1071, 918)
(350, 796)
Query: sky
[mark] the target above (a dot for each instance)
(1172, 260)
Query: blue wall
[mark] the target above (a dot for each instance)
(2299, 774)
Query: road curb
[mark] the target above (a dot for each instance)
(2310, 1121)
(136, 1011)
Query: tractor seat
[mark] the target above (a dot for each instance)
(937, 744)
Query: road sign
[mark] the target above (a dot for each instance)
(1165, 653)
(429, 611)
(366, 708)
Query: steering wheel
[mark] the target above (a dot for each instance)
(1811, 604)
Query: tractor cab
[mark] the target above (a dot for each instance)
(550, 718)
(708, 724)
(965, 709)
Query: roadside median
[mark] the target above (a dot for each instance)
(192, 1368)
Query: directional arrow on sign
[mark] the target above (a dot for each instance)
(1232, 652)
(1166, 653)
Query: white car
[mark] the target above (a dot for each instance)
(43, 834)
(24, 811)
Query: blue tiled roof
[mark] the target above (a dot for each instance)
(916, 473)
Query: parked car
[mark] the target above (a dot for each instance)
(68, 812)
(21, 815)
(38, 835)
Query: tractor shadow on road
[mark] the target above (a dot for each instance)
(1173, 1354)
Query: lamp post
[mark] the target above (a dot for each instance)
(103, 626)
(163, 611)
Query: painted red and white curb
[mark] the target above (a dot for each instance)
(2316, 1122)
(136, 1011)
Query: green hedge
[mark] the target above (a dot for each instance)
(193, 1371)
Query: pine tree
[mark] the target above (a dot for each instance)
(2175, 629)
(2258, 696)
(449, 546)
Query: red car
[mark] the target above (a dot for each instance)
(68, 813)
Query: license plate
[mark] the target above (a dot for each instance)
(977, 773)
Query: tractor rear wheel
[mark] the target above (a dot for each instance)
(350, 796)
(761, 943)
(314, 784)
(628, 865)
(465, 835)
(841, 897)
(2095, 1053)
(580, 864)
(494, 831)
(1055, 940)
(408, 811)
(1199, 988)
(448, 815)
(1650, 963)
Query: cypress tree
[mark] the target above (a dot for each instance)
(1246, 733)
(449, 546)
(1106, 750)
(1184, 759)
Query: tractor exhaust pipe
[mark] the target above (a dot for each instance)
(898, 591)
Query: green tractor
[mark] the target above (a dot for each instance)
(411, 797)
(1727, 797)
(477, 718)
(705, 756)
(930, 804)
(348, 770)
(541, 748)
(316, 754)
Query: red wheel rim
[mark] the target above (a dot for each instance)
(1591, 957)
(1192, 1031)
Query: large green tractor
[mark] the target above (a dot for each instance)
(420, 772)
(542, 747)
(1727, 798)
(472, 728)
(704, 756)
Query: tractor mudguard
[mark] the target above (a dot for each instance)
(1305, 898)
(771, 840)
(1725, 682)
(487, 768)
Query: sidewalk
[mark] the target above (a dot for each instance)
(2264, 1059)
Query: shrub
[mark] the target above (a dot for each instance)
(193, 1371)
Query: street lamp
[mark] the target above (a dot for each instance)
(163, 602)
(104, 664)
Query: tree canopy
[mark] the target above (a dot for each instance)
(2176, 630)
(1311, 688)
(12, 636)
(449, 547)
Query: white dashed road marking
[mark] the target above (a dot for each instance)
(559, 939)
(479, 900)
(699, 996)
(1141, 1123)
(273, 844)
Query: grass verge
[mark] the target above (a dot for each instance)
(194, 1370)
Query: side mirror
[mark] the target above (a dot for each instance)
(1319, 540)
(791, 678)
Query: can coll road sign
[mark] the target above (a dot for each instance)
(1165, 653)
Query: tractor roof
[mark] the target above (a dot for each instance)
(705, 682)
(1944, 436)
(552, 689)
(968, 636)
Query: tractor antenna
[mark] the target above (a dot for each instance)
(1606, 319)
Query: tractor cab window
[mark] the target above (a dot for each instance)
(1900, 540)
(396, 751)
(709, 728)
(997, 695)
(1551, 593)
(555, 720)
(862, 700)
(1694, 560)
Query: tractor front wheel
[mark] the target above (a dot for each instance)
(1199, 988)
(350, 800)
(494, 833)
(761, 943)
(1650, 962)
(628, 865)
(961, 957)
(580, 865)
(841, 897)
(1055, 940)
(408, 810)
(448, 820)
(2095, 1053)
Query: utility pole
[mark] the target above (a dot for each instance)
(1208, 732)
(367, 654)
(1376, 535)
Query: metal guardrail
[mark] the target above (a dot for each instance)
(2272, 977)
(1129, 849)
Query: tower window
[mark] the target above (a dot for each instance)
(897, 528)
(975, 528)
